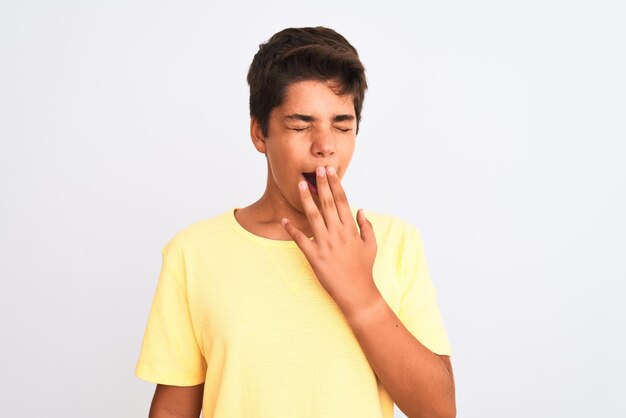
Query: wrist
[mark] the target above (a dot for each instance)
(367, 305)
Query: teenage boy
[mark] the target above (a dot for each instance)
(295, 306)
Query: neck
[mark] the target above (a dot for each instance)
(263, 217)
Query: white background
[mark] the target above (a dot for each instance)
(497, 128)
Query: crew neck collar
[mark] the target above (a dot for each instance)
(230, 215)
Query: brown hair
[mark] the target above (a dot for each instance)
(298, 54)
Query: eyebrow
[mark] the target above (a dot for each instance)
(308, 118)
(303, 118)
(341, 118)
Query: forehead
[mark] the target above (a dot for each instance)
(315, 97)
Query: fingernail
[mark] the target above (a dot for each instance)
(284, 221)
(331, 171)
(302, 185)
(321, 171)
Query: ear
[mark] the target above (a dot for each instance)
(256, 133)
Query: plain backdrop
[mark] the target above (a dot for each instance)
(496, 128)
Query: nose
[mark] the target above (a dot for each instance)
(323, 144)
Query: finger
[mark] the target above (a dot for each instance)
(303, 242)
(366, 228)
(316, 221)
(341, 201)
(327, 201)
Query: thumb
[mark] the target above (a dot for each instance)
(298, 236)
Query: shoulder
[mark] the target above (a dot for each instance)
(390, 229)
(200, 234)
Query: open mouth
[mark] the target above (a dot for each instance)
(311, 179)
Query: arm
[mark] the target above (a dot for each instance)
(342, 257)
(177, 401)
(420, 382)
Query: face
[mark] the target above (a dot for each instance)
(313, 127)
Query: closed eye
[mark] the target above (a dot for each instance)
(343, 129)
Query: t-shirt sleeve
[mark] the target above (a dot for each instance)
(170, 353)
(419, 310)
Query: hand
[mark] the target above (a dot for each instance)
(341, 255)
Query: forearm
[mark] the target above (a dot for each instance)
(418, 381)
(342, 257)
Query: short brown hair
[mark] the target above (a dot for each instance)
(298, 54)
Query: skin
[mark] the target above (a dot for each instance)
(176, 401)
(315, 130)
(313, 127)
(342, 257)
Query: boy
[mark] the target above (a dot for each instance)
(288, 307)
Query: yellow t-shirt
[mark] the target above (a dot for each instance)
(247, 316)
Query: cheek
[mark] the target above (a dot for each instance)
(282, 169)
(347, 150)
